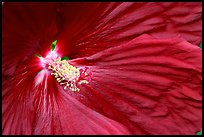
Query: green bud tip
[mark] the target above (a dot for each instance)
(65, 58)
(54, 45)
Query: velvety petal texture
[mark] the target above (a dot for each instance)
(34, 103)
(150, 85)
(17, 99)
(98, 26)
(139, 83)
(27, 27)
(83, 29)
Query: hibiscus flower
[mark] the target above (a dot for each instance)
(101, 68)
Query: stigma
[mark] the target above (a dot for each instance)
(66, 74)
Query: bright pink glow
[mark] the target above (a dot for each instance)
(49, 58)
(40, 76)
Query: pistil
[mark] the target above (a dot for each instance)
(66, 74)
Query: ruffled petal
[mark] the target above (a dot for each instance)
(128, 81)
(84, 29)
(151, 86)
(87, 28)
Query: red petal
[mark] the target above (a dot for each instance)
(86, 28)
(59, 113)
(17, 99)
(37, 105)
(26, 28)
(151, 86)
(91, 27)
(180, 86)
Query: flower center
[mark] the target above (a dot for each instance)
(67, 75)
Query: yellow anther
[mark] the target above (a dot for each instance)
(54, 68)
(63, 71)
(62, 83)
(49, 67)
(83, 82)
(58, 79)
(60, 74)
